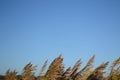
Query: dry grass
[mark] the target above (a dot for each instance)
(56, 71)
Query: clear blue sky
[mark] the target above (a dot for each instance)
(33, 31)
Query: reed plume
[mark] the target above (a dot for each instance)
(42, 70)
(11, 75)
(97, 74)
(84, 72)
(54, 69)
(28, 72)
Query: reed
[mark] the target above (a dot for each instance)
(56, 71)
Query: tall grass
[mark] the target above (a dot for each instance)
(56, 71)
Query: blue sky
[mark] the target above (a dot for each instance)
(36, 30)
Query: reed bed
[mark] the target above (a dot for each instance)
(56, 71)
